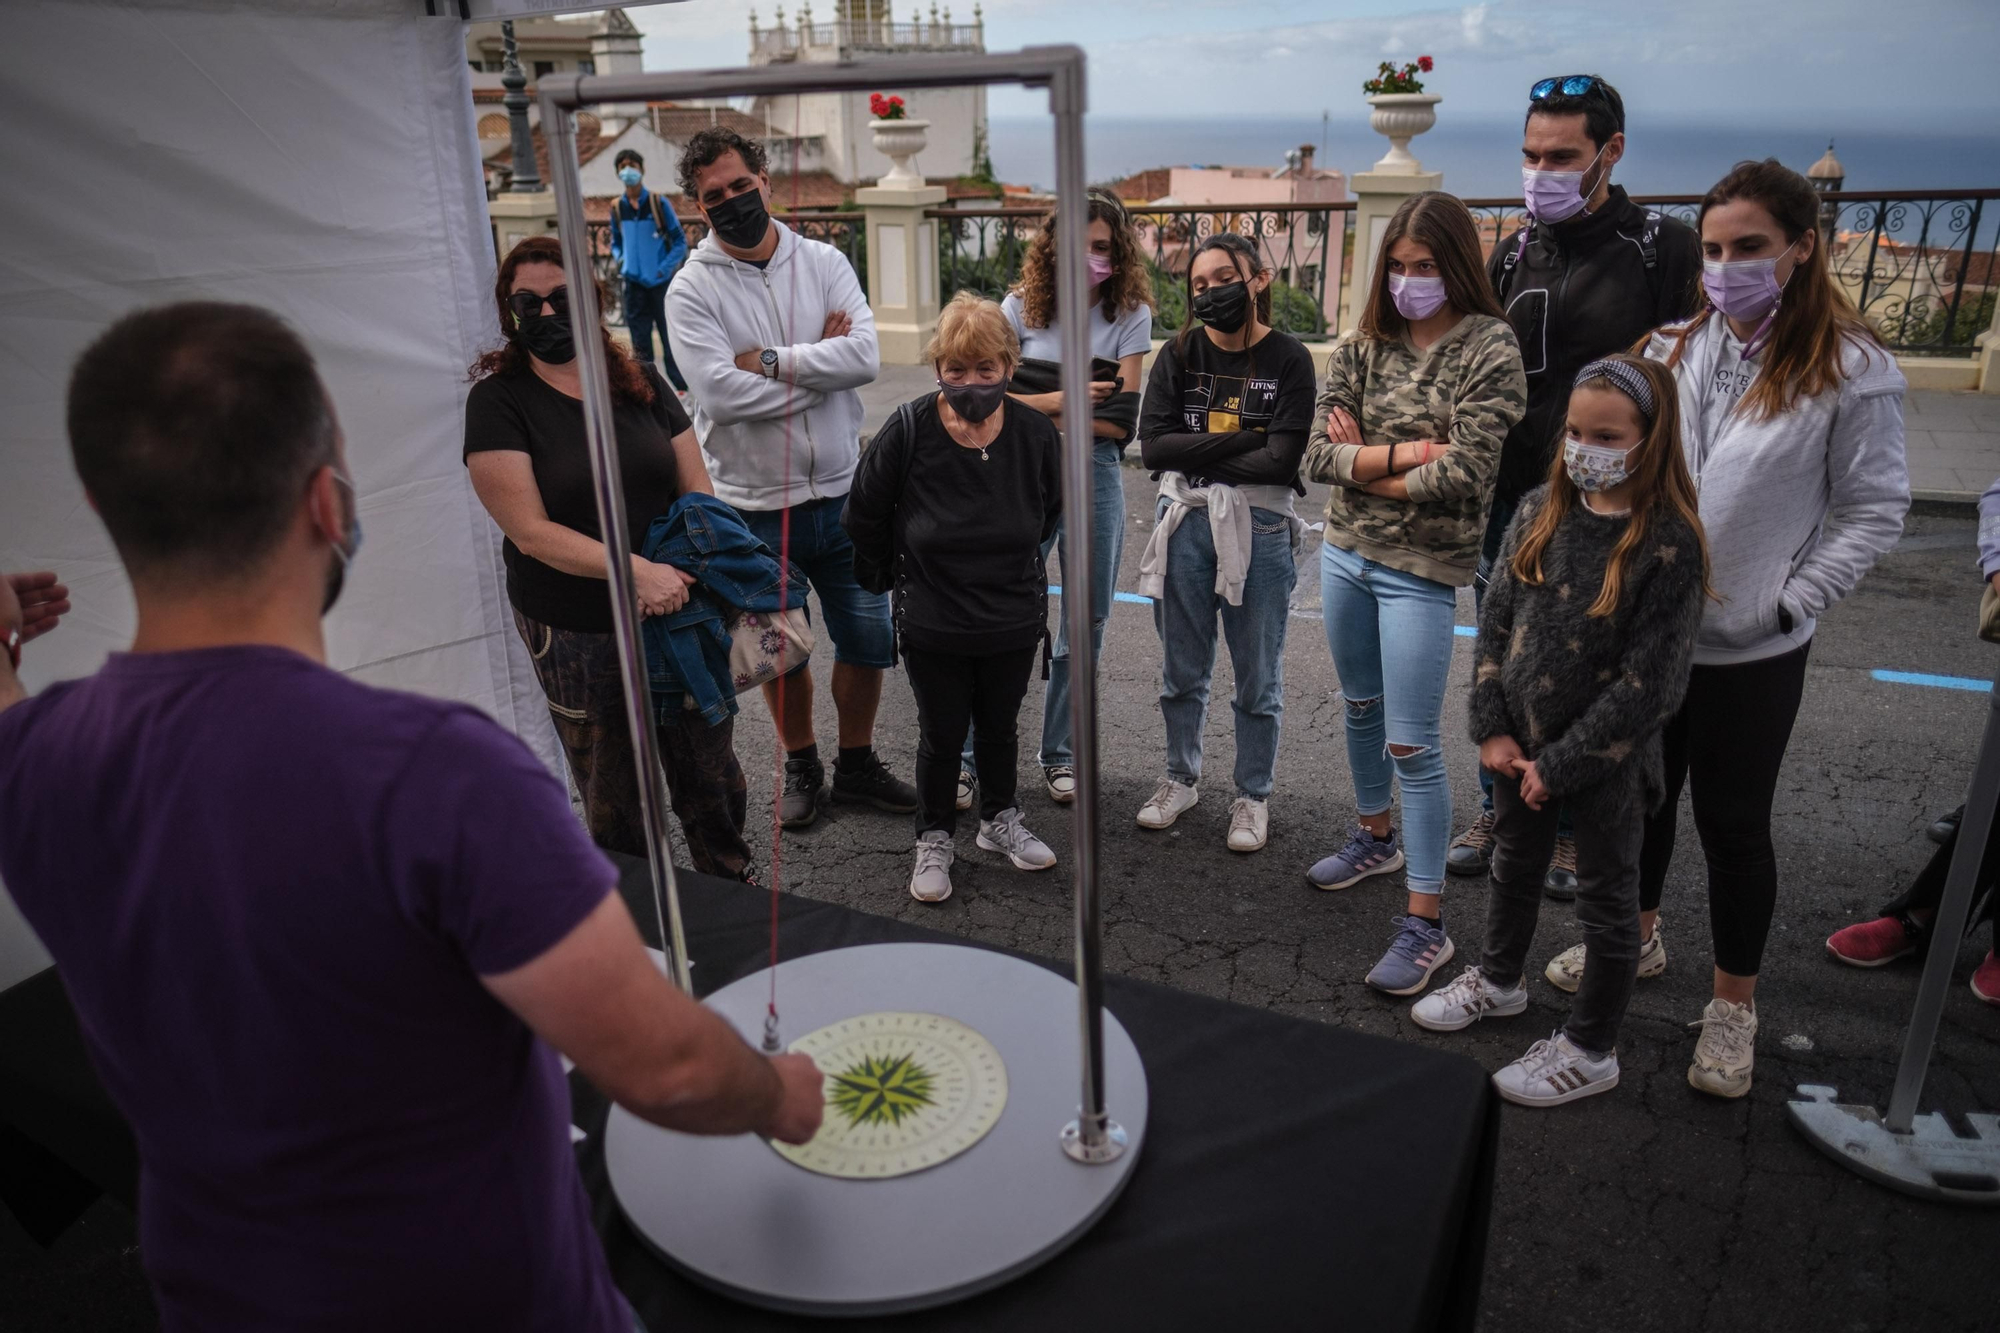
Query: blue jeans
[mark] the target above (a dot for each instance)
(855, 619)
(1107, 548)
(1391, 634)
(645, 311)
(1185, 618)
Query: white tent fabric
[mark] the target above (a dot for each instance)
(316, 157)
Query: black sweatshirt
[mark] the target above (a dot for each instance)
(957, 537)
(1236, 417)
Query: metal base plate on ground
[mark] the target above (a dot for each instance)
(1932, 1161)
(738, 1217)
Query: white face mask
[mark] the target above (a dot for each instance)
(1595, 467)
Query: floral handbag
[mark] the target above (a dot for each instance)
(764, 645)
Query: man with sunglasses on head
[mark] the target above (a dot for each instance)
(1589, 274)
(775, 337)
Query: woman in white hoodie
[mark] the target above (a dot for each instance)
(1792, 422)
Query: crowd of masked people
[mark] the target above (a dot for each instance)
(1656, 453)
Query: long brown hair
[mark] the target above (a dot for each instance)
(1129, 287)
(1815, 319)
(628, 380)
(1441, 223)
(1242, 253)
(1655, 465)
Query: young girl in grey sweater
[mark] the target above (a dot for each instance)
(1585, 642)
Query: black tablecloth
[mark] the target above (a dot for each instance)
(1293, 1175)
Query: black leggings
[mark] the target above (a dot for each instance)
(955, 692)
(1728, 741)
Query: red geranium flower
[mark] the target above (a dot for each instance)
(1424, 64)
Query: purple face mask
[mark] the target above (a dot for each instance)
(1554, 196)
(1416, 298)
(1745, 289)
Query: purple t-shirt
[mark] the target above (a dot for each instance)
(271, 891)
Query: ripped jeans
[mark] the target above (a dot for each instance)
(1391, 636)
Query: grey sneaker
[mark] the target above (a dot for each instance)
(798, 805)
(1414, 956)
(1364, 855)
(1727, 1050)
(930, 881)
(1471, 852)
(1006, 833)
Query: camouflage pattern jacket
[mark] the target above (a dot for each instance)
(1466, 390)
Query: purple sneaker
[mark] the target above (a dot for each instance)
(1364, 855)
(1417, 952)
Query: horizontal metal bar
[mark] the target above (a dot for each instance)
(1034, 66)
(1839, 197)
(1149, 210)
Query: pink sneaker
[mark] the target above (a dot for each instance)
(1986, 979)
(1871, 943)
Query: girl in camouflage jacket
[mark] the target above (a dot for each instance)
(1407, 433)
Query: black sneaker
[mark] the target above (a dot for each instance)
(1560, 882)
(1471, 852)
(1945, 827)
(798, 807)
(875, 785)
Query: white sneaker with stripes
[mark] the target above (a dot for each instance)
(1554, 1071)
(1466, 1001)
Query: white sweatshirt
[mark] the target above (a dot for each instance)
(1796, 508)
(768, 442)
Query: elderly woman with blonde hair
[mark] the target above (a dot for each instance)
(949, 512)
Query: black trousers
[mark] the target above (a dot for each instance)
(1607, 905)
(645, 311)
(955, 692)
(1926, 891)
(1727, 744)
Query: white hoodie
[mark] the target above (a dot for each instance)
(1796, 508)
(768, 442)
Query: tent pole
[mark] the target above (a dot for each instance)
(559, 124)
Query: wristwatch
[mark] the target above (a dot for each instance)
(770, 363)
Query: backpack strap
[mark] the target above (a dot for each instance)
(1512, 257)
(659, 222)
(1649, 241)
(906, 417)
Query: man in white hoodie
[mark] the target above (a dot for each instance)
(775, 336)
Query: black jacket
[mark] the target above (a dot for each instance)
(1582, 289)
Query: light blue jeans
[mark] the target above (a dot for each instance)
(1391, 636)
(1107, 548)
(1185, 618)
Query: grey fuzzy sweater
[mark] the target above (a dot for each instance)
(1586, 697)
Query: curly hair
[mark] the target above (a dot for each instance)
(628, 377)
(1129, 286)
(708, 145)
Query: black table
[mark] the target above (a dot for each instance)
(1294, 1175)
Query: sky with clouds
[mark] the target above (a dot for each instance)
(1889, 62)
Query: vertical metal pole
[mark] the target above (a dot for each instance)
(526, 177)
(559, 125)
(1948, 926)
(1091, 1137)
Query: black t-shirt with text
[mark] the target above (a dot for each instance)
(1200, 389)
(523, 412)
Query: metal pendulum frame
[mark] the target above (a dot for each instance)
(585, 319)
(1922, 1154)
(1093, 1137)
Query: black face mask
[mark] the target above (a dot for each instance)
(549, 338)
(741, 221)
(976, 402)
(1223, 308)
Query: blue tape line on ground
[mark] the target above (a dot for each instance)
(1055, 591)
(1935, 682)
(1466, 631)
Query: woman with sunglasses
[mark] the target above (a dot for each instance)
(1792, 420)
(530, 467)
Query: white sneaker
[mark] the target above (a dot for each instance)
(967, 784)
(1249, 824)
(930, 882)
(1061, 781)
(1169, 801)
(1565, 970)
(1006, 833)
(1466, 1001)
(1727, 1049)
(1554, 1071)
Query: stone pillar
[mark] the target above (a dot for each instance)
(902, 268)
(516, 217)
(1377, 195)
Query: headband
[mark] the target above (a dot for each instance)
(1623, 378)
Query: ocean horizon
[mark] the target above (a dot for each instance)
(1480, 159)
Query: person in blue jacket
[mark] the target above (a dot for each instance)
(649, 245)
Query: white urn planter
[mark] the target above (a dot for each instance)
(1401, 117)
(899, 141)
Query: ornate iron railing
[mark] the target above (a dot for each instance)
(1923, 266)
(845, 232)
(787, 43)
(1307, 247)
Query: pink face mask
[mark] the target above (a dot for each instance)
(1100, 269)
(1744, 289)
(1554, 196)
(1416, 298)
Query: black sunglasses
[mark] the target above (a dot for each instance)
(1567, 85)
(528, 305)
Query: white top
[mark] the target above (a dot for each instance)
(1113, 339)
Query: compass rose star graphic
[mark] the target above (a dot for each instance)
(881, 1091)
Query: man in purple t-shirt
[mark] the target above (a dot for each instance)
(317, 934)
